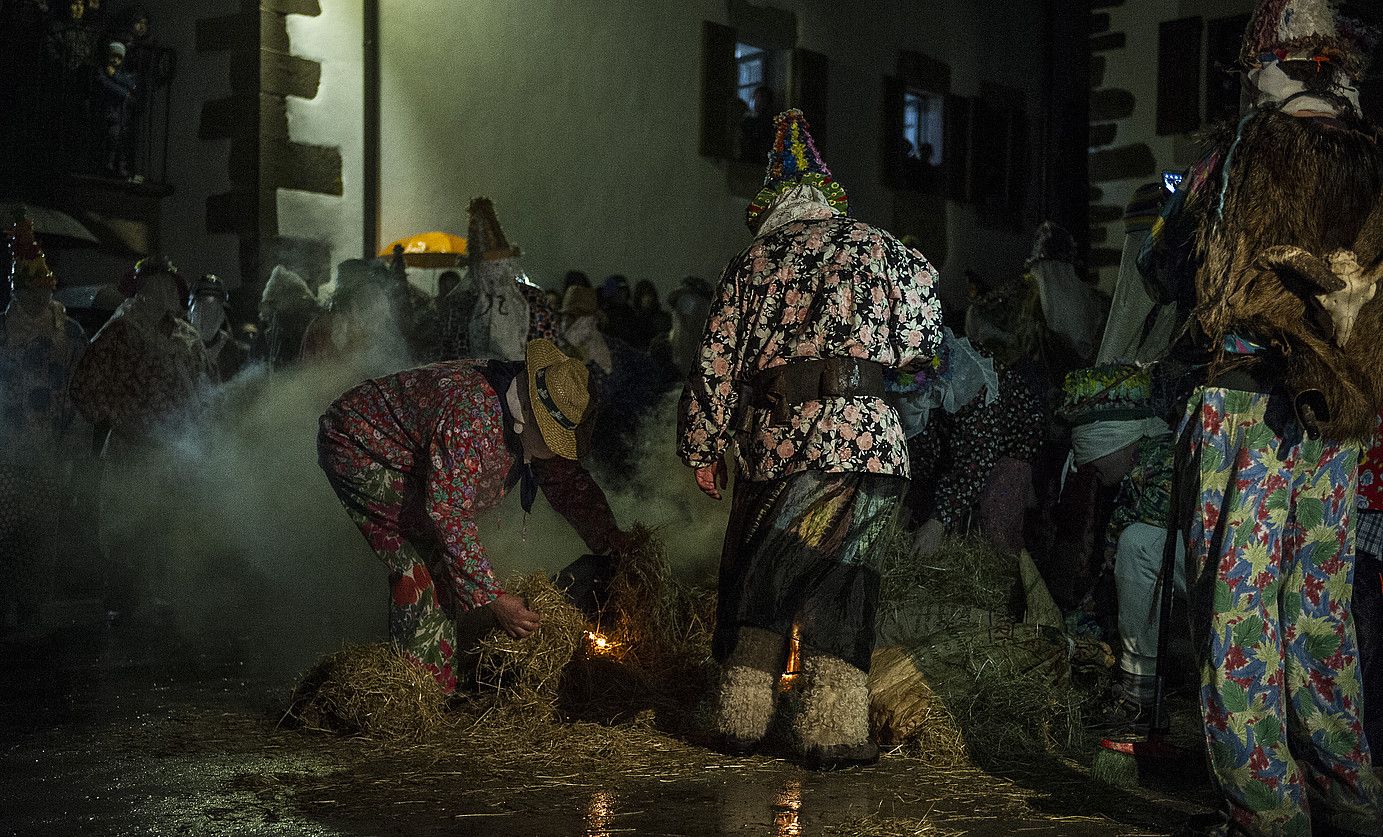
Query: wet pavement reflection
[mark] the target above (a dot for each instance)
(140, 733)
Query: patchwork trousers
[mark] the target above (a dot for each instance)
(422, 616)
(1270, 559)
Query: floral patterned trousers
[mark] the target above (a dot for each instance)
(421, 623)
(1270, 550)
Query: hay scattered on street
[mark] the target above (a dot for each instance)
(369, 690)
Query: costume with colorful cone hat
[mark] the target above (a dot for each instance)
(790, 372)
(1285, 222)
(1308, 28)
(28, 265)
(794, 161)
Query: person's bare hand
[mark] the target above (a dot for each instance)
(514, 617)
(928, 538)
(711, 479)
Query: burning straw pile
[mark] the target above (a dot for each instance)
(650, 643)
(525, 674)
(647, 652)
(958, 670)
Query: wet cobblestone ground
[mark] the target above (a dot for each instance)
(128, 731)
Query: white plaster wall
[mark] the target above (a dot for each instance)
(581, 119)
(197, 168)
(332, 118)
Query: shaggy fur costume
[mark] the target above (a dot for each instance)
(745, 704)
(834, 713)
(1309, 184)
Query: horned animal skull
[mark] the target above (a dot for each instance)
(1338, 282)
(1359, 287)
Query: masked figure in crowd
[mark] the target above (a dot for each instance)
(143, 375)
(39, 347)
(417, 456)
(971, 460)
(626, 380)
(286, 308)
(690, 306)
(804, 324)
(1279, 232)
(509, 309)
(206, 310)
(360, 317)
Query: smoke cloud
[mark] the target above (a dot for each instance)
(258, 549)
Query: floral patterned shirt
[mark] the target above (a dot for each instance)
(443, 427)
(957, 453)
(144, 368)
(818, 287)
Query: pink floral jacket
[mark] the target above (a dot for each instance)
(818, 287)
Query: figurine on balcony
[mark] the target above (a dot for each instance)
(112, 107)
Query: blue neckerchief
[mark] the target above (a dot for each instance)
(501, 374)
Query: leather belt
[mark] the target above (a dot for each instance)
(780, 388)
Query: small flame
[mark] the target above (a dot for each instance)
(794, 666)
(598, 643)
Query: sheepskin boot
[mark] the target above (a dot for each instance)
(747, 696)
(832, 726)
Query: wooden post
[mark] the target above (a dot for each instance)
(371, 181)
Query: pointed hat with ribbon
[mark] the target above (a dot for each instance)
(794, 161)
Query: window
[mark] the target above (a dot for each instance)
(750, 61)
(924, 126)
(761, 87)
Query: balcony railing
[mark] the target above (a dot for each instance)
(78, 111)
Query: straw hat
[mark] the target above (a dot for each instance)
(560, 393)
(580, 302)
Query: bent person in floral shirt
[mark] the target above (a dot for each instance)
(416, 456)
(804, 324)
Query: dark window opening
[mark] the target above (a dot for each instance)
(761, 88)
(924, 126)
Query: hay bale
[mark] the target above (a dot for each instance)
(1009, 687)
(640, 615)
(370, 690)
(903, 709)
(526, 673)
(967, 573)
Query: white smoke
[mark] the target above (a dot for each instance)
(259, 547)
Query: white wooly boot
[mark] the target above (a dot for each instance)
(744, 708)
(832, 726)
(748, 693)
